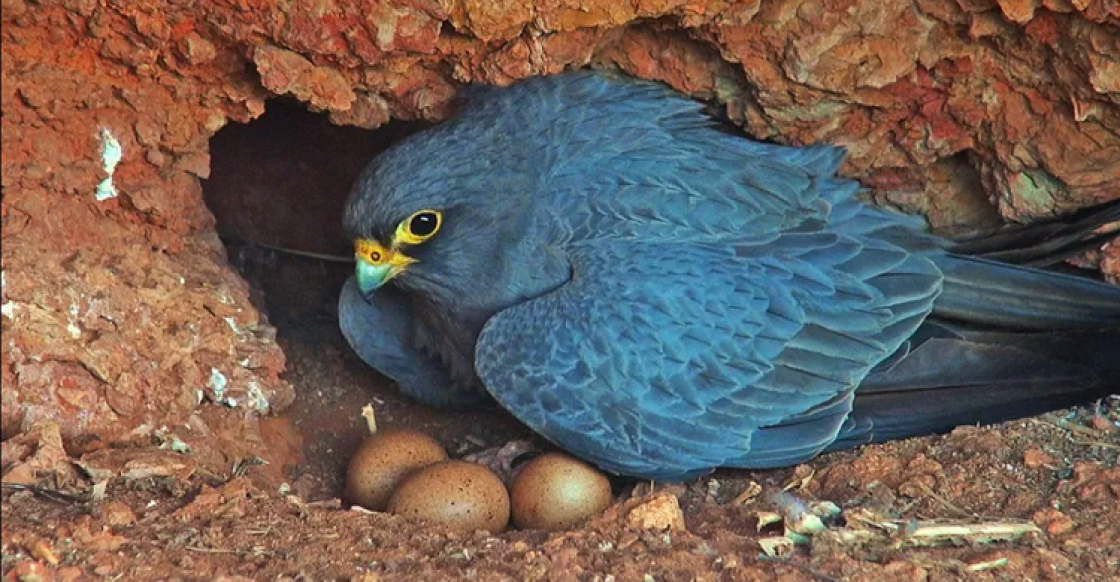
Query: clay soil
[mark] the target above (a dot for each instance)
(152, 521)
(1057, 471)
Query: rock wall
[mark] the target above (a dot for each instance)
(121, 319)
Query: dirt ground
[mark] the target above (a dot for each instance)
(158, 519)
(1059, 472)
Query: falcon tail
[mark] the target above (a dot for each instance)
(1046, 242)
(1004, 341)
(956, 377)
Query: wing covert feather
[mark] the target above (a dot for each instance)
(665, 360)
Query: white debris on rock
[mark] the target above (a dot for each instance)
(218, 383)
(257, 400)
(7, 308)
(72, 322)
(111, 154)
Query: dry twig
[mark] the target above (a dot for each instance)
(903, 534)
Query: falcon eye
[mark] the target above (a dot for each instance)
(423, 224)
(419, 227)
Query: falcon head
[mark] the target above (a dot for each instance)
(447, 214)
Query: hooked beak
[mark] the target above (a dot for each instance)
(376, 265)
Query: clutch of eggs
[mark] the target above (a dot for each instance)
(408, 473)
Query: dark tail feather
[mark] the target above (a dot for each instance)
(948, 376)
(985, 293)
(982, 292)
(1047, 242)
(1004, 341)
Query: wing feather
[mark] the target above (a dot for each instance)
(636, 367)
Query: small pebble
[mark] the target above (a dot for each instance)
(1036, 458)
(660, 512)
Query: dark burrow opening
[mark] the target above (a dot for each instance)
(281, 182)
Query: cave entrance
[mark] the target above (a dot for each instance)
(280, 182)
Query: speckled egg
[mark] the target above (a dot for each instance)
(459, 494)
(383, 461)
(555, 492)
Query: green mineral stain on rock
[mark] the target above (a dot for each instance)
(830, 110)
(1037, 189)
(727, 89)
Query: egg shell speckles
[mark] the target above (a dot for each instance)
(459, 494)
(383, 461)
(555, 492)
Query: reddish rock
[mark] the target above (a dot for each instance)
(88, 535)
(116, 513)
(120, 313)
(37, 457)
(661, 512)
(227, 500)
(849, 478)
(69, 573)
(1054, 521)
(30, 571)
(283, 71)
(1036, 458)
(1095, 484)
(132, 464)
(905, 572)
(972, 440)
(1110, 262)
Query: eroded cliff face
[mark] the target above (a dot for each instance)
(122, 320)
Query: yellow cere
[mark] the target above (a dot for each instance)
(416, 229)
(370, 251)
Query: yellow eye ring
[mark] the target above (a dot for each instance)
(418, 227)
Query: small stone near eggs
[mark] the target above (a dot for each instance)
(555, 492)
(383, 461)
(459, 494)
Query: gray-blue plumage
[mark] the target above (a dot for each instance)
(661, 298)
